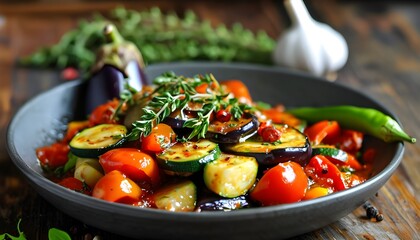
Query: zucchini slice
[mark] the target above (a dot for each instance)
(330, 151)
(94, 141)
(177, 197)
(231, 175)
(185, 158)
(292, 146)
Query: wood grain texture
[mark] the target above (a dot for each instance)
(384, 62)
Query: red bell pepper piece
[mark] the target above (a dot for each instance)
(325, 173)
(323, 130)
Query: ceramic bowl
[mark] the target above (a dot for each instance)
(42, 120)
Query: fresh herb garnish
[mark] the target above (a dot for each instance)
(177, 93)
(20, 237)
(53, 234)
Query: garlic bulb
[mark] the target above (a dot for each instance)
(309, 45)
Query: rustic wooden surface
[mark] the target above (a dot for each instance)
(384, 62)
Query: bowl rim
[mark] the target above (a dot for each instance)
(40, 180)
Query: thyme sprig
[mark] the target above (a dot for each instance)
(174, 93)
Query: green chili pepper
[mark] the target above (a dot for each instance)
(366, 120)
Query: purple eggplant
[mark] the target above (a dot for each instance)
(209, 201)
(233, 131)
(118, 63)
(293, 146)
(224, 204)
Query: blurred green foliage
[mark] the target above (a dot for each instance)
(161, 37)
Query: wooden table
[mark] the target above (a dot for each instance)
(384, 62)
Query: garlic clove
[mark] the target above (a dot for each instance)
(309, 45)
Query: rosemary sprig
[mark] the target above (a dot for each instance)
(174, 93)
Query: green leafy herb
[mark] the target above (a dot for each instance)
(161, 37)
(70, 164)
(175, 93)
(57, 234)
(53, 234)
(20, 237)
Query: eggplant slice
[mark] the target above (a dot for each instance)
(233, 131)
(293, 146)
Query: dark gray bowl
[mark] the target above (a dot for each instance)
(41, 121)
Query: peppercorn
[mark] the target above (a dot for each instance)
(372, 212)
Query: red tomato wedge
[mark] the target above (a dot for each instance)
(284, 183)
(159, 139)
(54, 155)
(135, 164)
(323, 130)
(103, 113)
(75, 185)
(238, 89)
(278, 115)
(116, 187)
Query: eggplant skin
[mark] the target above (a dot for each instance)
(109, 82)
(294, 146)
(175, 123)
(103, 86)
(224, 204)
(300, 155)
(240, 134)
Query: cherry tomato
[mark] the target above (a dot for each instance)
(54, 155)
(103, 113)
(238, 89)
(323, 130)
(69, 73)
(223, 115)
(116, 187)
(75, 185)
(262, 126)
(323, 172)
(159, 139)
(135, 164)
(270, 134)
(284, 183)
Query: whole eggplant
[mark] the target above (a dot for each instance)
(118, 64)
